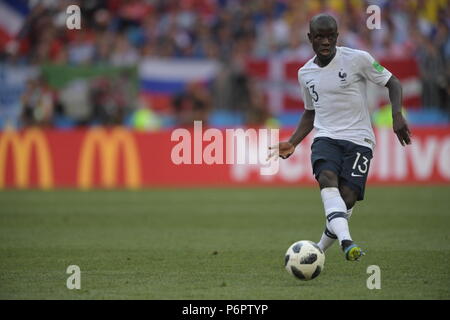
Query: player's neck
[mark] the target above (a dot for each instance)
(324, 62)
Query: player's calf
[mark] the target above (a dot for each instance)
(349, 196)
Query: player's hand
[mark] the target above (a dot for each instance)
(283, 149)
(401, 129)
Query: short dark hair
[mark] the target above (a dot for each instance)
(322, 19)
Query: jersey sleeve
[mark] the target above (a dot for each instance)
(306, 96)
(371, 70)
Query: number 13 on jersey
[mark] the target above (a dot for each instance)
(362, 168)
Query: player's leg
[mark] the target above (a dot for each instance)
(328, 238)
(350, 196)
(322, 152)
(326, 159)
(352, 181)
(334, 205)
(352, 251)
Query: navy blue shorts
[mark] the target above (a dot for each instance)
(348, 160)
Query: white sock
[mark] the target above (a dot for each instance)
(328, 237)
(349, 213)
(335, 211)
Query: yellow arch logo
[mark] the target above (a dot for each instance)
(109, 147)
(21, 152)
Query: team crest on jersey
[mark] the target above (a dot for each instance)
(343, 78)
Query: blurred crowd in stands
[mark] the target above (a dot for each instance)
(124, 32)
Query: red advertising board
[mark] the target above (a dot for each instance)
(119, 158)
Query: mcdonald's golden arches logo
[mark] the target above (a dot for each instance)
(109, 146)
(21, 154)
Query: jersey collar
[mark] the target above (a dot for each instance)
(338, 51)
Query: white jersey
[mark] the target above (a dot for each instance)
(337, 93)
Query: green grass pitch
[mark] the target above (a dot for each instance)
(218, 244)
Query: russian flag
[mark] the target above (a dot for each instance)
(12, 17)
(161, 79)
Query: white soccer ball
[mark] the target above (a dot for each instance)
(304, 260)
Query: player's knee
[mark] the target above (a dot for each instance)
(327, 179)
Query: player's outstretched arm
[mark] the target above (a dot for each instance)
(286, 148)
(399, 123)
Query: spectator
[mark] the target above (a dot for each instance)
(432, 70)
(124, 54)
(194, 104)
(38, 104)
(123, 32)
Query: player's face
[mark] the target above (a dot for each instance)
(323, 41)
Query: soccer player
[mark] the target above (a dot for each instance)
(333, 85)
